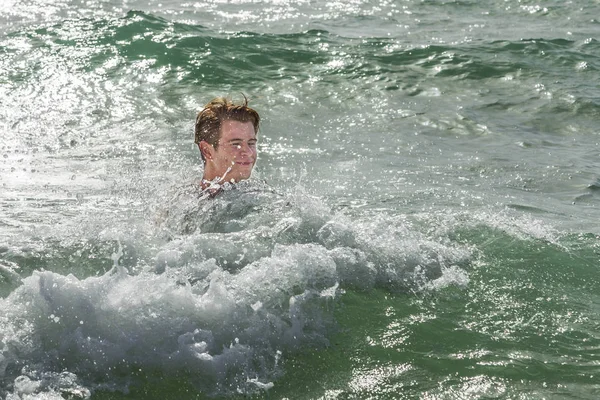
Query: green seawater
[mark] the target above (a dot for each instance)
(421, 223)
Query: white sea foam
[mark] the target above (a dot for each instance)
(220, 305)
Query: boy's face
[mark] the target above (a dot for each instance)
(236, 150)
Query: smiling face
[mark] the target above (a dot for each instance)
(235, 154)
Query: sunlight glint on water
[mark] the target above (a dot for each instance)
(421, 222)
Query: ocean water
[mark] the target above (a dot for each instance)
(422, 222)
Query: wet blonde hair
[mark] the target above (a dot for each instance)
(219, 109)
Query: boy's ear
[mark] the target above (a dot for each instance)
(206, 149)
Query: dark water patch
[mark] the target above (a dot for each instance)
(450, 3)
(533, 46)
(591, 197)
(561, 265)
(529, 209)
(480, 61)
(81, 258)
(595, 186)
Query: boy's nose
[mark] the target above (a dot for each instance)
(245, 148)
